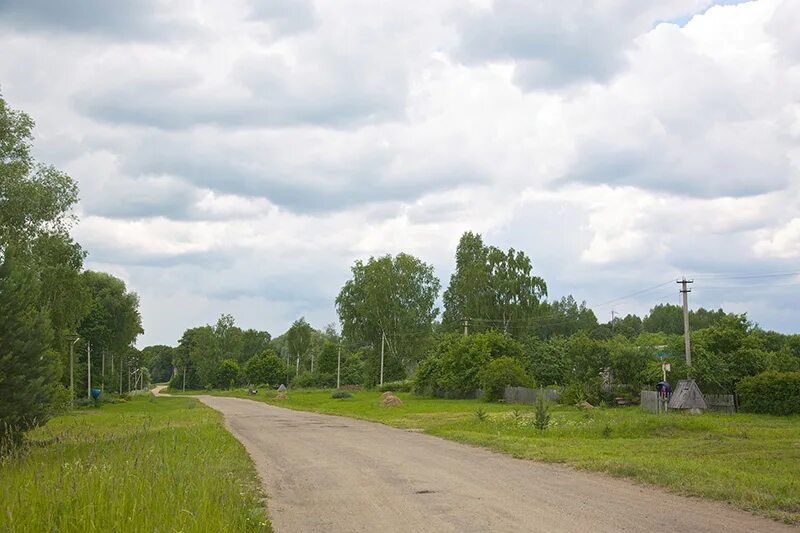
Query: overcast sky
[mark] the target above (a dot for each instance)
(238, 156)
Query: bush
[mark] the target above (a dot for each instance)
(592, 391)
(341, 394)
(396, 386)
(451, 369)
(227, 374)
(62, 400)
(501, 373)
(265, 368)
(776, 393)
(573, 394)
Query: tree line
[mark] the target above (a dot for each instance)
(495, 306)
(50, 305)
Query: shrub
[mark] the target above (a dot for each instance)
(452, 367)
(62, 400)
(396, 386)
(265, 368)
(573, 394)
(341, 394)
(776, 393)
(501, 373)
(481, 414)
(227, 374)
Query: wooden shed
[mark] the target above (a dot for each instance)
(687, 396)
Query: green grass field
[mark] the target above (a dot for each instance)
(750, 461)
(151, 464)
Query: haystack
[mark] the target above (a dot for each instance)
(388, 399)
(282, 396)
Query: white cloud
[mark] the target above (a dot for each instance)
(239, 159)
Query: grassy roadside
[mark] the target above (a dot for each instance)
(749, 461)
(151, 464)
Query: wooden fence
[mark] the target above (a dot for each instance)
(526, 395)
(652, 403)
(724, 403)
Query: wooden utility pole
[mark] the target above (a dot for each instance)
(466, 327)
(685, 290)
(72, 370)
(103, 371)
(613, 316)
(383, 341)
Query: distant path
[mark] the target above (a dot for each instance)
(330, 473)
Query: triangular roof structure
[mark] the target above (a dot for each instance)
(687, 395)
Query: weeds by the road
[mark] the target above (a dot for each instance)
(750, 461)
(152, 464)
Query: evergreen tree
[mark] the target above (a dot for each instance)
(28, 367)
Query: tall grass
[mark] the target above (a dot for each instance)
(152, 464)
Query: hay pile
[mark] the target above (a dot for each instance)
(584, 405)
(388, 399)
(282, 396)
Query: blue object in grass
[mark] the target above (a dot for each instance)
(95, 393)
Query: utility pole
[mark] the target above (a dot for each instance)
(297, 368)
(72, 370)
(338, 366)
(184, 377)
(103, 371)
(89, 370)
(383, 341)
(613, 315)
(685, 290)
(466, 326)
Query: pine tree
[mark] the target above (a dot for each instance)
(28, 367)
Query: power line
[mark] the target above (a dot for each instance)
(641, 291)
(747, 276)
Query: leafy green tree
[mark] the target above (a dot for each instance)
(453, 364)
(35, 216)
(493, 288)
(265, 368)
(391, 298)
(28, 368)
(563, 317)
(500, 373)
(253, 342)
(328, 357)
(35, 199)
(198, 355)
(587, 357)
(298, 340)
(664, 318)
(547, 360)
(352, 368)
(628, 362)
(112, 325)
(158, 359)
(227, 375)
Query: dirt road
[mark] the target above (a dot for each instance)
(328, 473)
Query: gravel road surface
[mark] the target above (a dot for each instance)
(330, 473)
